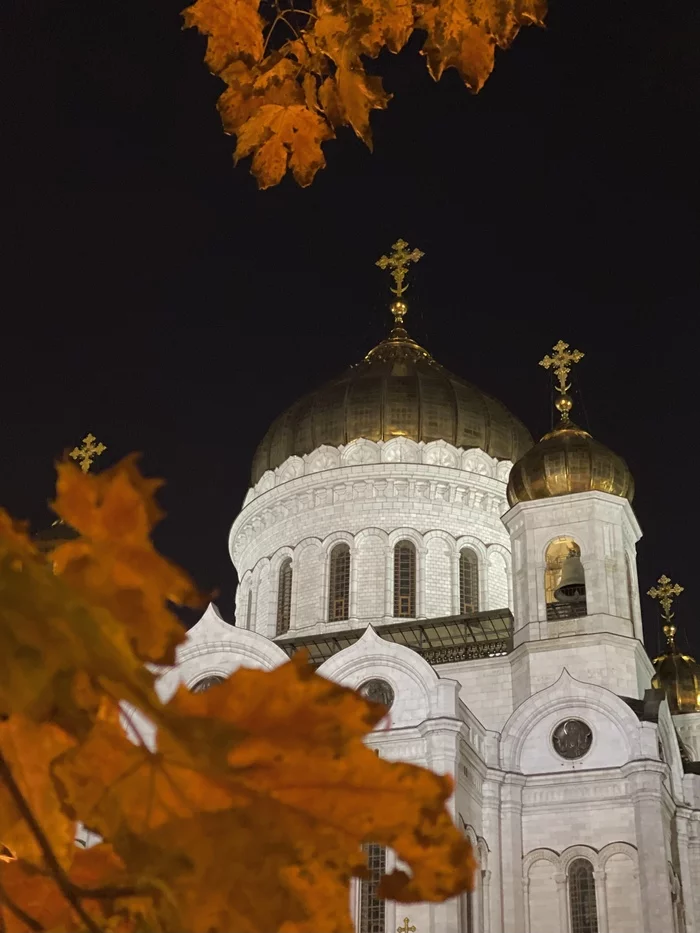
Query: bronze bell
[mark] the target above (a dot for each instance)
(572, 587)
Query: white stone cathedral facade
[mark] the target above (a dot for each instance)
(387, 531)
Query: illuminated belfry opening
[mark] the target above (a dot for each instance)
(565, 585)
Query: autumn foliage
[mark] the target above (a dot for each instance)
(295, 70)
(240, 809)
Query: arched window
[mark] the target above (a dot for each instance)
(206, 683)
(372, 909)
(468, 581)
(405, 580)
(339, 584)
(555, 557)
(284, 597)
(582, 900)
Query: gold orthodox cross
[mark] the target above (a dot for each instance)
(405, 928)
(561, 362)
(398, 262)
(665, 593)
(87, 453)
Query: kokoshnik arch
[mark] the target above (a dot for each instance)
(403, 528)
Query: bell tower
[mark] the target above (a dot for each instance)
(573, 536)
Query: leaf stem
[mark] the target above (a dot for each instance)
(59, 875)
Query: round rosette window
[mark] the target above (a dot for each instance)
(378, 691)
(572, 739)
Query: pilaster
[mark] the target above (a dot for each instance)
(512, 853)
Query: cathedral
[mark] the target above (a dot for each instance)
(404, 530)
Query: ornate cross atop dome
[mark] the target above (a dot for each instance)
(87, 453)
(561, 362)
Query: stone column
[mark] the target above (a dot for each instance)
(485, 901)
(645, 786)
(490, 814)
(512, 853)
(601, 897)
(562, 901)
(526, 898)
(687, 886)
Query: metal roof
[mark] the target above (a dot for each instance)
(449, 638)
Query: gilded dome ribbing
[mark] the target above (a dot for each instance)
(568, 460)
(398, 390)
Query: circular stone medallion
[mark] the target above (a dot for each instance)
(379, 691)
(572, 738)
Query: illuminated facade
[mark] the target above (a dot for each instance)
(501, 623)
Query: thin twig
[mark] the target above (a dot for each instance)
(59, 875)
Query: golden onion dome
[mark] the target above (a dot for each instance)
(398, 390)
(568, 460)
(679, 676)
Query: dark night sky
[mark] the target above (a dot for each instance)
(154, 296)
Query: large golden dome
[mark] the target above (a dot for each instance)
(397, 390)
(568, 460)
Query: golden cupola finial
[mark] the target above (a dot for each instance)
(398, 262)
(87, 453)
(677, 674)
(567, 460)
(666, 592)
(560, 363)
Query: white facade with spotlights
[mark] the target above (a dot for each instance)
(399, 565)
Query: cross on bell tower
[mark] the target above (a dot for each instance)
(87, 453)
(398, 262)
(560, 362)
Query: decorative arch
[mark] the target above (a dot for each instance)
(536, 855)
(566, 695)
(580, 851)
(618, 848)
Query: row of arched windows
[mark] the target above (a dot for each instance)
(404, 585)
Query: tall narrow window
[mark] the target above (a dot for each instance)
(249, 609)
(284, 597)
(372, 910)
(630, 585)
(582, 901)
(405, 580)
(468, 581)
(339, 586)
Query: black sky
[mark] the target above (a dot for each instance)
(154, 296)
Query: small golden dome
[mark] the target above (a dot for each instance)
(568, 460)
(398, 390)
(679, 675)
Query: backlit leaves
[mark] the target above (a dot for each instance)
(295, 70)
(242, 808)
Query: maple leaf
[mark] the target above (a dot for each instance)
(27, 750)
(113, 564)
(302, 746)
(41, 898)
(463, 34)
(234, 27)
(282, 136)
(121, 788)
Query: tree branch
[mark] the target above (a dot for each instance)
(59, 875)
(18, 912)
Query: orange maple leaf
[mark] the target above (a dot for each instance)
(234, 27)
(114, 564)
(281, 136)
(27, 750)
